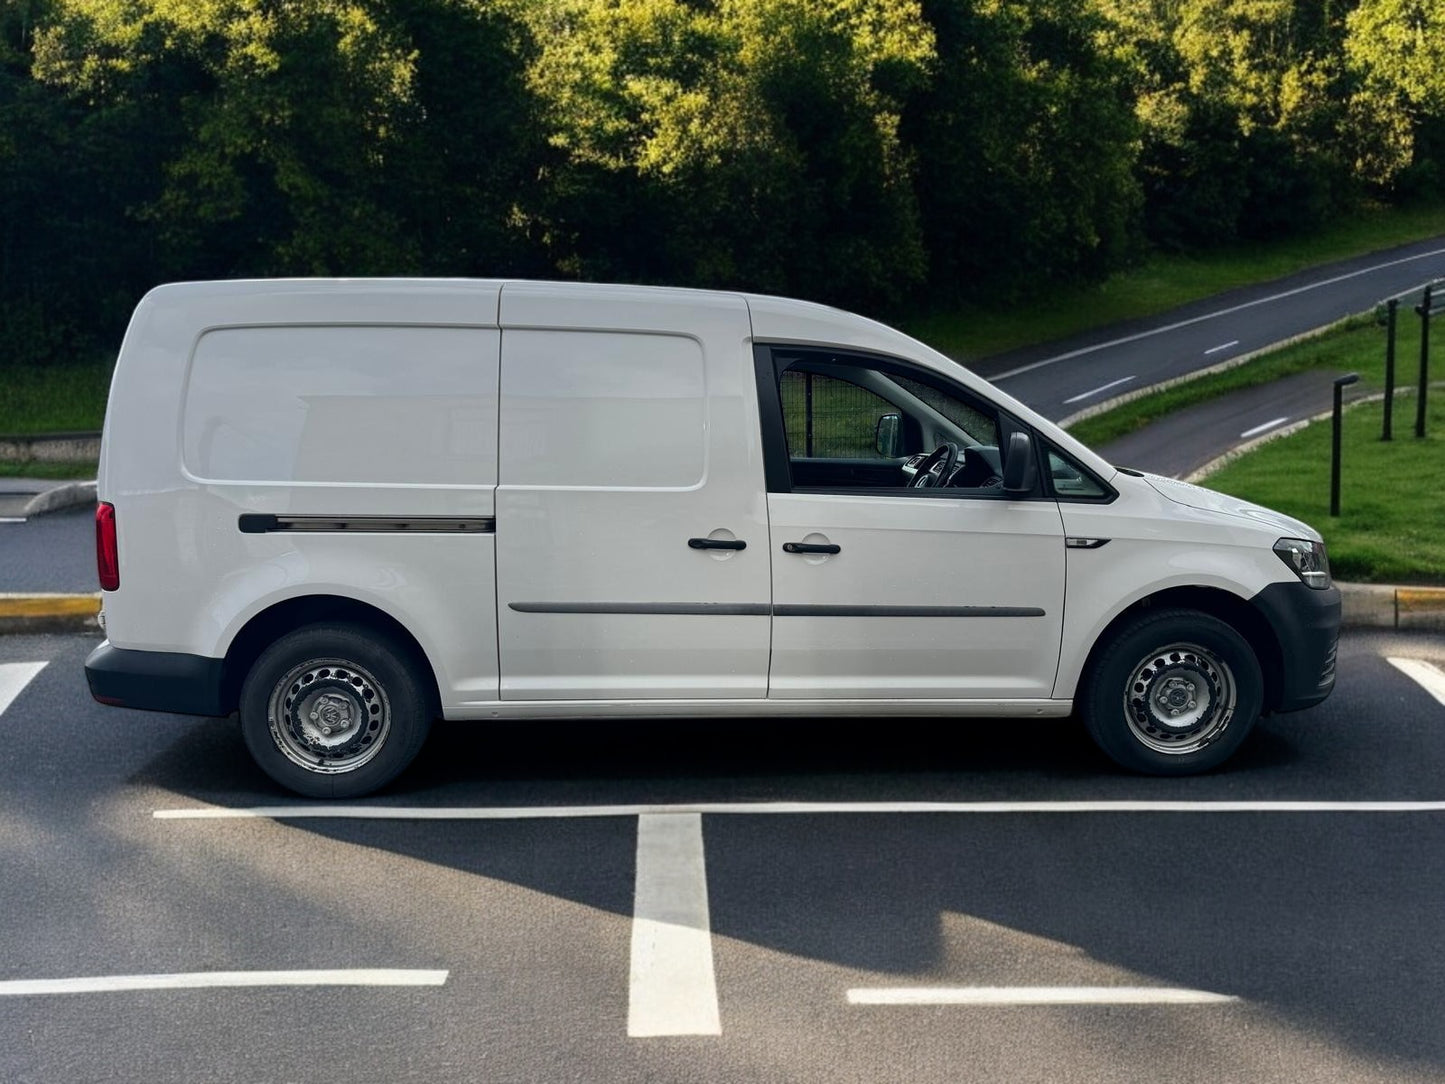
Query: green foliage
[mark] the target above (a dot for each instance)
(742, 143)
(893, 156)
(1027, 143)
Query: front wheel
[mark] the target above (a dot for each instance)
(1173, 693)
(334, 711)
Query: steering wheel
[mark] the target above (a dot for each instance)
(945, 457)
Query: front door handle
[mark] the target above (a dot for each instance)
(717, 543)
(811, 547)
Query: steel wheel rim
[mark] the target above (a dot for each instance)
(1179, 699)
(329, 716)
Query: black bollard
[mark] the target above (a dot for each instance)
(1390, 307)
(1340, 384)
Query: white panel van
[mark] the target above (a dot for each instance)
(343, 509)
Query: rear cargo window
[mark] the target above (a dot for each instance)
(596, 408)
(343, 405)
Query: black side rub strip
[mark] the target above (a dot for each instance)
(724, 609)
(257, 523)
(759, 609)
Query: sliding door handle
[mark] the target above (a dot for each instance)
(717, 543)
(811, 547)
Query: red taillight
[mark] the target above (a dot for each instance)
(107, 556)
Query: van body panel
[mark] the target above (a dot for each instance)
(937, 597)
(620, 445)
(306, 398)
(589, 501)
(1155, 544)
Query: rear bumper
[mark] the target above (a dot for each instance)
(1306, 623)
(155, 680)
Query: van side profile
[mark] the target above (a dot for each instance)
(346, 508)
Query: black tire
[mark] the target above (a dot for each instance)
(334, 711)
(1173, 693)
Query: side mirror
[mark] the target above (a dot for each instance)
(886, 436)
(1020, 469)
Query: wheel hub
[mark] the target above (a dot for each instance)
(329, 716)
(1179, 699)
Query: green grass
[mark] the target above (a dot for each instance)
(55, 399)
(1165, 282)
(1354, 345)
(37, 468)
(1392, 523)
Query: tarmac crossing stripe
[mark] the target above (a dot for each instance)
(1425, 674)
(544, 812)
(197, 980)
(672, 988)
(14, 676)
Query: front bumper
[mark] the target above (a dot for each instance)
(1306, 623)
(155, 680)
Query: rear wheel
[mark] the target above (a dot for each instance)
(1173, 693)
(334, 711)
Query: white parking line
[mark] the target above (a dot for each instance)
(197, 980)
(14, 676)
(545, 812)
(1033, 995)
(673, 989)
(1221, 346)
(12, 519)
(1098, 391)
(1266, 427)
(1426, 674)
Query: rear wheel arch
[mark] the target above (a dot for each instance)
(274, 622)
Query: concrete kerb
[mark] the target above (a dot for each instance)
(1365, 605)
(66, 495)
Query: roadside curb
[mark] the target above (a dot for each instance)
(25, 613)
(69, 495)
(1364, 605)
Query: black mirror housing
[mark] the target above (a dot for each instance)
(886, 436)
(1020, 467)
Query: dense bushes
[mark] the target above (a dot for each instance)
(874, 153)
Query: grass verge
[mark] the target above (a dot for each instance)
(44, 468)
(55, 399)
(1165, 282)
(1391, 527)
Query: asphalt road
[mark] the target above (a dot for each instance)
(1321, 926)
(1060, 379)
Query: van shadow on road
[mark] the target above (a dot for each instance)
(1326, 920)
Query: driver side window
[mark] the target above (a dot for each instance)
(851, 423)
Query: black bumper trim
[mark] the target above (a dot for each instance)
(155, 680)
(1306, 623)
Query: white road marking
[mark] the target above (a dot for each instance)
(14, 676)
(1096, 391)
(1266, 427)
(546, 812)
(673, 990)
(197, 980)
(1221, 346)
(1212, 315)
(1426, 674)
(1033, 995)
(12, 519)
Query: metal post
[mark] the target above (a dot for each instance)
(1390, 307)
(808, 414)
(1424, 311)
(1340, 384)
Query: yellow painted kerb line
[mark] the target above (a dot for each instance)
(1420, 599)
(49, 605)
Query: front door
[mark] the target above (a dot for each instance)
(889, 581)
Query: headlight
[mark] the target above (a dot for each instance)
(1307, 559)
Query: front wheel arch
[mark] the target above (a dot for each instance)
(1173, 692)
